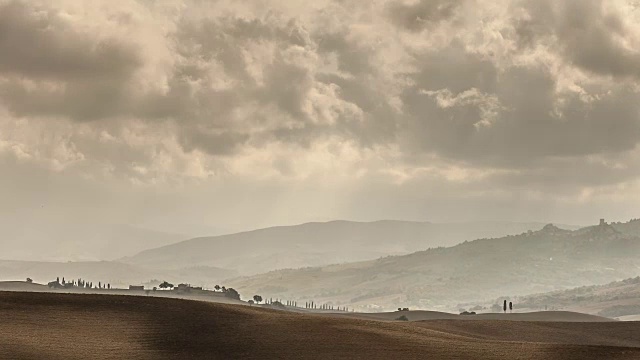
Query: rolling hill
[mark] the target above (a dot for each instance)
(616, 299)
(64, 326)
(532, 262)
(423, 315)
(206, 261)
(317, 244)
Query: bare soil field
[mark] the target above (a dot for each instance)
(88, 326)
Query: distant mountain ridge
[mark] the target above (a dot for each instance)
(78, 242)
(210, 260)
(532, 262)
(318, 244)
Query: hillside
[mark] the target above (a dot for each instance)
(630, 228)
(616, 299)
(533, 262)
(317, 244)
(62, 326)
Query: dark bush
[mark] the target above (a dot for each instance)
(232, 293)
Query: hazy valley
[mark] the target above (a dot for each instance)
(79, 241)
(619, 299)
(209, 260)
(532, 262)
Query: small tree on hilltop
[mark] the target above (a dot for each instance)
(250, 302)
(166, 285)
(504, 306)
(232, 293)
(217, 287)
(29, 280)
(257, 298)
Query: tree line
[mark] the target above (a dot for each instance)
(257, 299)
(79, 283)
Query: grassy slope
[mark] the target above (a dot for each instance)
(529, 263)
(63, 326)
(619, 298)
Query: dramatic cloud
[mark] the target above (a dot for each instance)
(427, 107)
(418, 15)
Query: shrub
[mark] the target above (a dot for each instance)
(402, 318)
(232, 293)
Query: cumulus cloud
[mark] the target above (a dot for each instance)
(387, 95)
(418, 15)
(52, 68)
(597, 36)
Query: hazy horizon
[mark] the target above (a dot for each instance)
(95, 242)
(327, 179)
(205, 118)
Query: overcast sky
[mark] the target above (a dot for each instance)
(205, 116)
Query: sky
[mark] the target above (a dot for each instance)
(203, 117)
